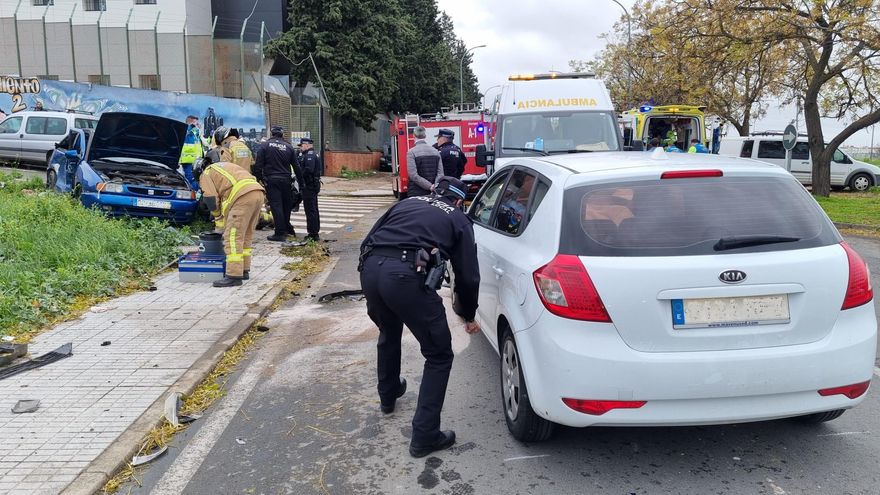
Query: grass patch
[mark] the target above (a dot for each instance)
(56, 256)
(308, 260)
(354, 174)
(872, 161)
(853, 208)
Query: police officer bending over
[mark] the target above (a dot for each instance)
(403, 259)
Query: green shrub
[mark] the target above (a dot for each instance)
(53, 251)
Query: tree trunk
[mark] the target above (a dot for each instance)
(747, 116)
(816, 140)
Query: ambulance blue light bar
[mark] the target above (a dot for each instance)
(552, 75)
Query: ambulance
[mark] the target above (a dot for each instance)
(671, 124)
(545, 114)
(469, 129)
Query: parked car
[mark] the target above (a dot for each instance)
(767, 147)
(30, 136)
(129, 167)
(667, 289)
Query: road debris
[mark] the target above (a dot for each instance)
(240, 441)
(25, 406)
(352, 295)
(11, 352)
(105, 343)
(139, 460)
(50, 357)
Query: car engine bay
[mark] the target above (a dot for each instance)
(140, 174)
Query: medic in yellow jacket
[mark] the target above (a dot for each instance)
(235, 197)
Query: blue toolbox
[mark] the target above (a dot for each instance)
(200, 267)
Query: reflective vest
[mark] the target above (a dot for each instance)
(192, 146)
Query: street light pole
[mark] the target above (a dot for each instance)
(628, 48)
(461, 76)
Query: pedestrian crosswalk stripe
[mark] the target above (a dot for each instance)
(337, 212)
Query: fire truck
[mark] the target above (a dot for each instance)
(469, 128)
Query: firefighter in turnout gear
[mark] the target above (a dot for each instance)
(232, 149)
(451, 155)
(312, 170)
(230, 192)
(402, 263)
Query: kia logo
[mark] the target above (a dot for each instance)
(732, 276)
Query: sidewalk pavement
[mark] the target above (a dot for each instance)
(89, 400)
(98, 404)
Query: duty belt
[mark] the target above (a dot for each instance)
(403, 254)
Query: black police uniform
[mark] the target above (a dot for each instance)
(312, 170)
(453, 159)
(275, 158)
(396, 296)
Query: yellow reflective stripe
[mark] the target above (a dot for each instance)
(236, 186)
(235, 190)
(232, 258)
(232, 233)
(249, 252)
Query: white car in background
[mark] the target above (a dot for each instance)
(30, 136)
(767, 147)
(645, 289)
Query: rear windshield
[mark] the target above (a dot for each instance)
(685, 217)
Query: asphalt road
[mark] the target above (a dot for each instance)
(302, 418)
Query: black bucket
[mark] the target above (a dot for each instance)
(211, 243)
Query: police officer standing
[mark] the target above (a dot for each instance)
(275, 166)
(394, 276)
(312, 170)
(450, 154)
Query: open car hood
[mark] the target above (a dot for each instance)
(135, 135)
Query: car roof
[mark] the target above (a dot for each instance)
(632, 163)
(52, 113)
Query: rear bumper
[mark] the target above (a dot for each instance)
(181, 211)
(565, 358)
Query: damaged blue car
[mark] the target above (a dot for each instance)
(127, 165)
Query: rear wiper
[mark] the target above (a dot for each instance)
(533, 150)
(735, 242)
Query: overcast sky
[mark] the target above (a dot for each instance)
(543, 35)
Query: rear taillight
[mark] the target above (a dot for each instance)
(690, 174)
(566, 290)
(858, 290)
(600, 407)
(851, 391)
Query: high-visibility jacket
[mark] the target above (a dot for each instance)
(193, 147)
(226, 182)
(235, 151)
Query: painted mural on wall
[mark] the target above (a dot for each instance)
(18, 94)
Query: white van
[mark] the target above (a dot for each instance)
(30, 136)
(767, 147)
(547, 114)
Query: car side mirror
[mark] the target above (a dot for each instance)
(484, 157)
(71, 154)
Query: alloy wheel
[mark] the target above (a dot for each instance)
(510, 379)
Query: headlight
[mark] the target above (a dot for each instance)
(110, 187)
(182, 194)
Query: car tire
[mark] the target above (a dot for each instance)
(821, 417)
(861, 182)
(51, 179)
(49, 158)
(522, 421)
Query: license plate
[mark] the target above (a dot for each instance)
(730, 311)
(152, 203)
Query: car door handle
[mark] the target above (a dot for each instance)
(498, 271)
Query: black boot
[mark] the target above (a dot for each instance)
(446, 440)
(247, 275)
(388, 407)
(228, 281)
(277, 238)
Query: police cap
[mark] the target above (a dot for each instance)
(277, 130)
(450, 187)
(306, 140)
(447, 133)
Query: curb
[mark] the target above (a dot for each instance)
(856, 226)
(114, 457)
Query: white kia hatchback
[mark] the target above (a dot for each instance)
(630, 288)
